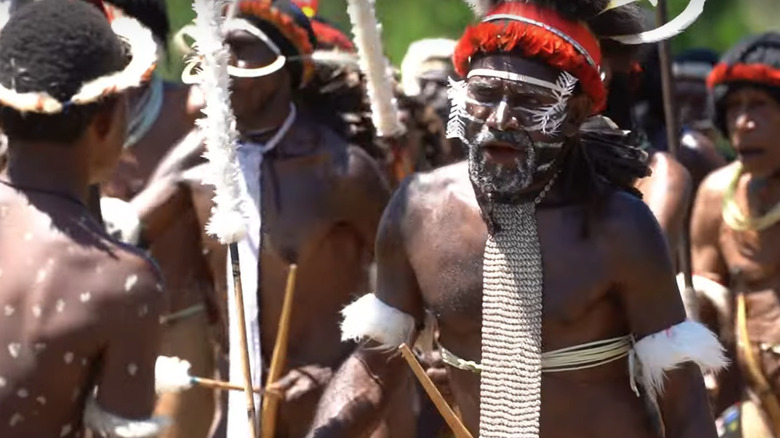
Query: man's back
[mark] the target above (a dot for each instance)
(79, 312)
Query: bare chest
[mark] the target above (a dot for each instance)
(753, 255)
(449, 266)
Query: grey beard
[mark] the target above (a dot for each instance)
(496, 180)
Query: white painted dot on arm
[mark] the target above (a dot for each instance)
(28, 236)
(132, 369)
(84, 361)
(143, 310)
(159, 287)
(39, 347)
(15, 419)
(3, 382)
(60, 306)
(14, 349)
(41, 275)
(36, 310)
(41, 400)
(68, 357)
(9, 310)
(86, 296)
(66, 429)
(130, 282)
(22, 393)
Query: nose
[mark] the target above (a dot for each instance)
(502, 118)
(744, 122)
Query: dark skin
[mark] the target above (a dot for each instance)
(753, 120)
(79, 309)
(322, 201)
(617, 281)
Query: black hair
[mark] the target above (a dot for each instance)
(55, 46)
(153, 14)
(288, 49)
(758, 49)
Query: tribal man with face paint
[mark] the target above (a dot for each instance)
(318, 203)
(549, 279)
(79, 311)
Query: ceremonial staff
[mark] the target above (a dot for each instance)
(673, 140)
(228, 220)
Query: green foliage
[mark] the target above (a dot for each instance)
(723, 23)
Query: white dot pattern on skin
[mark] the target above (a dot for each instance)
(60, 306)
(130, 282)
(22, 393)
(132, 369)
(14, 349)
(42, 273)
(9, 310)
(66, 429)
(143, 310)
(36, 310)
(15, 419)
(159, 287)
(68, 357)
(85, 297)
(39, 347)
(41, 400)
(84, 361)
(3, 382)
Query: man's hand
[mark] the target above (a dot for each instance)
(301, 381)
(437, 372)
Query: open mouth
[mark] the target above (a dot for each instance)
(750, 153)
(503, 152)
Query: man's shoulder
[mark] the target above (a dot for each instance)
(628, 217)
(716, 183)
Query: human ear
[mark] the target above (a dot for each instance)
(578, 109)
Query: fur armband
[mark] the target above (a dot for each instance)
(688, 341)
(370, 318)
(122, 221)
(112, 426)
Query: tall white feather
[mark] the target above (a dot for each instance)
(384, 110)
(228, 216)
(673, 28)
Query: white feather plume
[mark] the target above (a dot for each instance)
(367, 32)
(171, 374)
(673, 28)
(228, 216)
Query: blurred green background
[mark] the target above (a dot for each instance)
(724, 22)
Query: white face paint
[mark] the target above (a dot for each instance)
(130, 282)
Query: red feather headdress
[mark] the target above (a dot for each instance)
(759, 73)
(541, 33)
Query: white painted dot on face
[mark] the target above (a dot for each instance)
(14, 349)
(130, 282)
(39, 347)
(66, 429)
(16, 419)
(9, 310)
(132, 369)
(36, 310)
(41, 400)
(68, 357)
(60, 306)
(143, 310)
(86, 296)
(22, 393)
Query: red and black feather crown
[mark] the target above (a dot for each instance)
(540, 32)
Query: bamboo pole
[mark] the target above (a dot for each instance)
(271, 404)
(452, 420)
(249, 390)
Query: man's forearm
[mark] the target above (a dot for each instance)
(358, 395)
(684, 405)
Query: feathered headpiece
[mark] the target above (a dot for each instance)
(560, 33)
(143, 52)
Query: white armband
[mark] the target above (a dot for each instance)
(112, 426)
(121, 219)
(370, 318)
(688, 341)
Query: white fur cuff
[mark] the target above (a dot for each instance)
(112, 426)
(370, 318)
(685, 342)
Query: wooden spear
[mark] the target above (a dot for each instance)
(673, 132)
